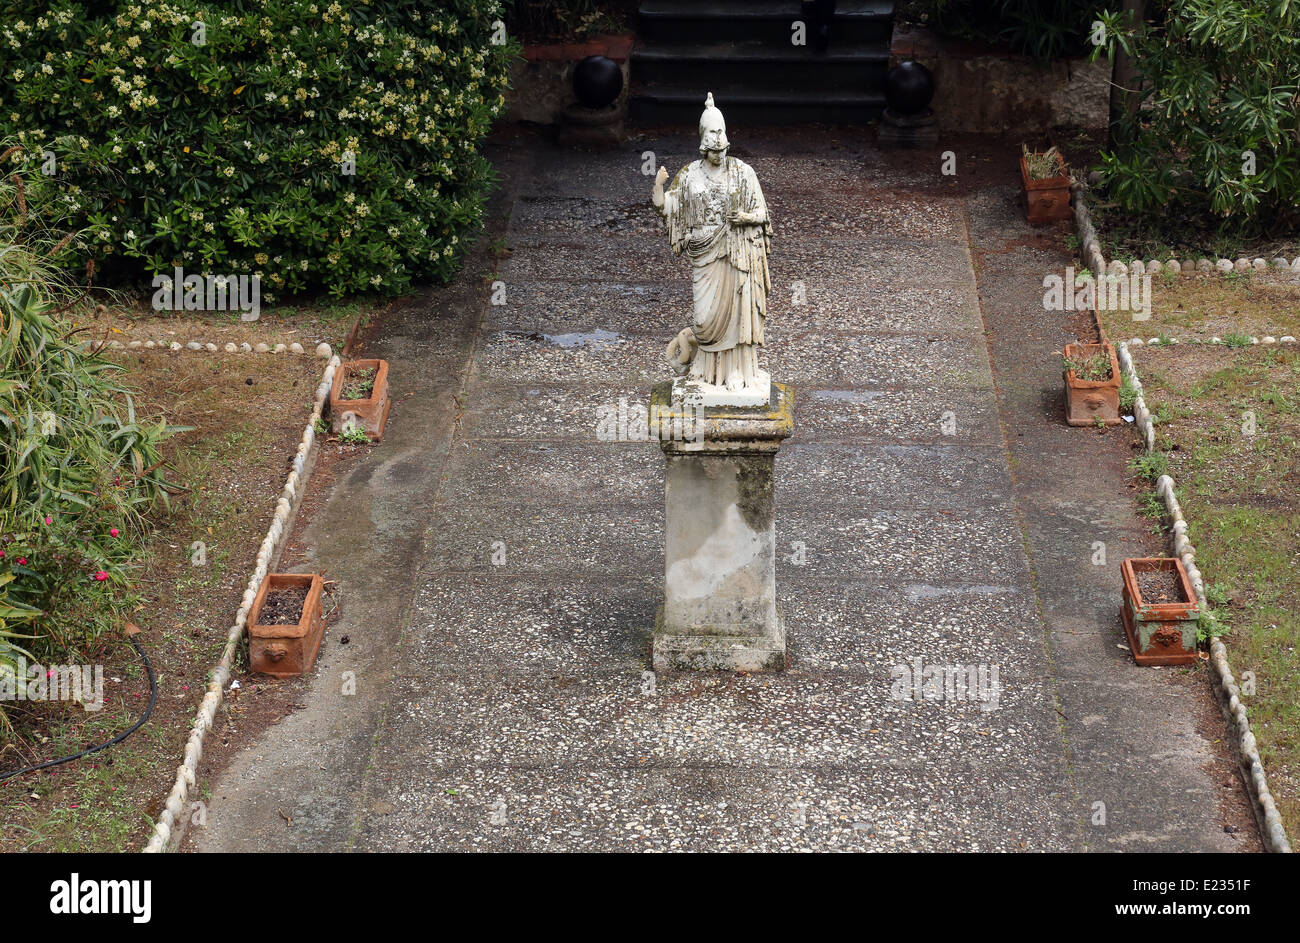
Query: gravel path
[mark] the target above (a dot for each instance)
(502, 566)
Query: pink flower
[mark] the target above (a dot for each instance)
(48, 519)
(22, 561)
(112, 532)
(101, 575)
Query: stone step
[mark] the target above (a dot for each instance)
(681, 104)
(860, 67)
(767, 20)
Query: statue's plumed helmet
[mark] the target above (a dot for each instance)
(711, 120)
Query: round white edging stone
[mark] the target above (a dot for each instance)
(323, 351)
(294, 485)
(1091, 255)
(1274, 834)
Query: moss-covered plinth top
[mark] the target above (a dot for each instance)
(685, 427)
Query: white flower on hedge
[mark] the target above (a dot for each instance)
(130, 235)
(394, 231)
(228, 170)
(375, 280)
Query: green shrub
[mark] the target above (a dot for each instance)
(78, 471)
(1219, 80)
(1045, 29)
(217, 137)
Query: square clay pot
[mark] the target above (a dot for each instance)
(1047, 200)
(283, 651)
(1160, 633)
(371, 413)
(1088, 400)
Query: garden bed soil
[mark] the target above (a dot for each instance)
(248, 421)
(1159, 587)
(359, 383)
(283, 606)
(308, 323)
(1200, 307)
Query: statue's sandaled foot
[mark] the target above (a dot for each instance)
(735, 382)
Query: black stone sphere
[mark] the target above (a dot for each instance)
(597, 81)
(909, 88)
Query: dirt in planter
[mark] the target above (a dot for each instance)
(283, 606)
(1159, 586)
(359, 384)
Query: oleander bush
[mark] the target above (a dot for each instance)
(78, 469)
(1217, 135)
(313, 144)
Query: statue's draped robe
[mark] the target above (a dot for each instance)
(729, 273)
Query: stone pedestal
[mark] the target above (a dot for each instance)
(908, 130)
(592, 128)
(719, 610)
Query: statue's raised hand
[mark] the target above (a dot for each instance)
(657, 194)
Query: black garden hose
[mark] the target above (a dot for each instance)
(153, 699)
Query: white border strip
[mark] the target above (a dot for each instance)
(1274, 834)
(294, 486)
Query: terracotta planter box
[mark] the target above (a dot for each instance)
(283, 651)
(1086, 401)
(1164, 632)
(371, 413)
(1046, 200)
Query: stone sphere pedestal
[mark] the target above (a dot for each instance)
(594, 129)
(921, 130)
(719, 609)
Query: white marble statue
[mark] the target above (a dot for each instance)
(717, 217)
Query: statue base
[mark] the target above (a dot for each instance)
(699, 393)
(908, 130)
(719, 609)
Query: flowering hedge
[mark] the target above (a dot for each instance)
(312, 144)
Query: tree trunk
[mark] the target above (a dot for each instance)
(1124, 98)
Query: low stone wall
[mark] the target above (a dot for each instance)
(981, 89)
(541, 84)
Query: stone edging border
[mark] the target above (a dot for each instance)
(1090, 252)
(1158, 342)
(323, 350)
(294, 487)
(1274, 834)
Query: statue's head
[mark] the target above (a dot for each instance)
(713, 129)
